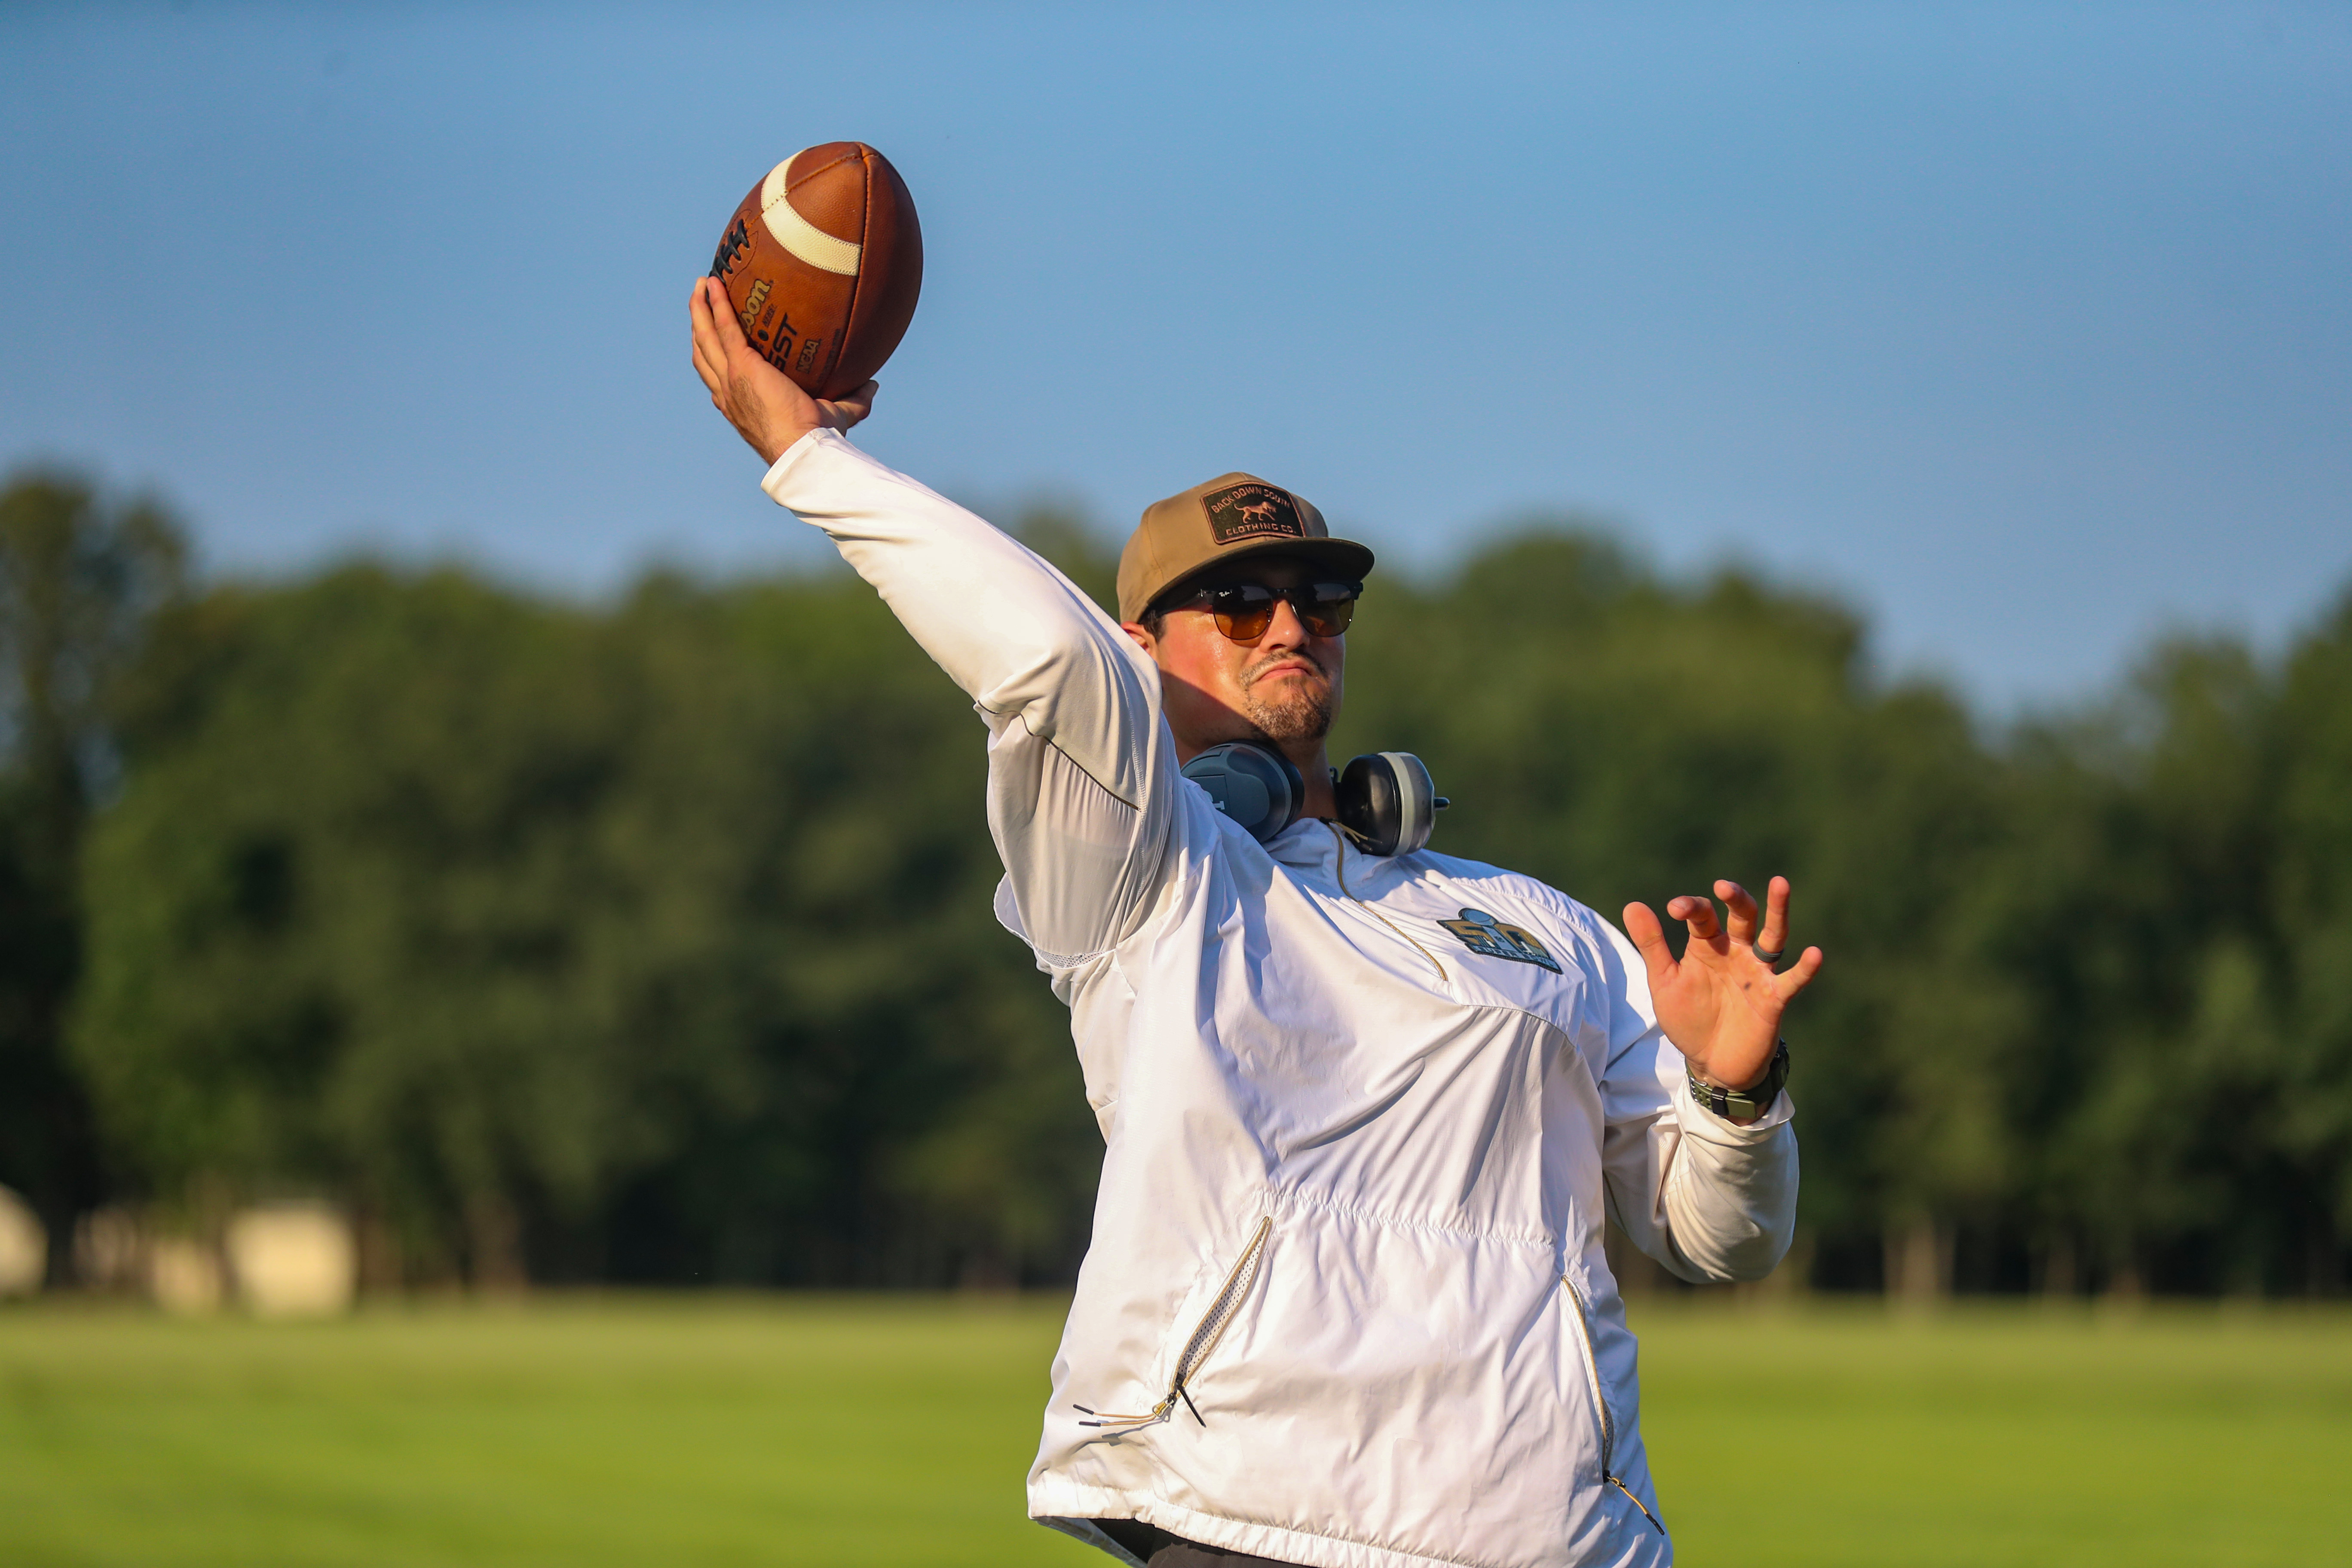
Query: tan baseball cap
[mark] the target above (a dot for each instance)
(1232, 516)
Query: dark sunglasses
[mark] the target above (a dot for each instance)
(1244, 610)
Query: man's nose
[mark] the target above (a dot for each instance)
(1285, 630)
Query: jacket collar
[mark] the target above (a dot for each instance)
(1306, 845)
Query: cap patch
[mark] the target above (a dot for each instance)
(1251, 511)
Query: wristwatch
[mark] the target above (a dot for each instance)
(1755, 1099)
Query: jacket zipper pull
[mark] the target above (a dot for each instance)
(1601, 1406)
(1622, 1486)
(1128, 1423)
(1205, 1336)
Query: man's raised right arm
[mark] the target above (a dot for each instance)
(1020, 639)
(1081, 768)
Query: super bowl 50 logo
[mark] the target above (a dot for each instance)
(1482, 932)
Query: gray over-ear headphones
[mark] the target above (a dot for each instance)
(1386, 802)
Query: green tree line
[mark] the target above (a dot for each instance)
(650, 941)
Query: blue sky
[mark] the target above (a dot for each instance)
(2025, 328)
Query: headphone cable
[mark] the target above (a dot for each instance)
(1339, 869)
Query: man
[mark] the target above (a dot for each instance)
(1346, 1303)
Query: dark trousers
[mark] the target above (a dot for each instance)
(1161, 1550)
(1184, 1554)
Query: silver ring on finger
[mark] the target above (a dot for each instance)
(1757, 949)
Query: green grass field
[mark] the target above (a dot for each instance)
(851, 1431)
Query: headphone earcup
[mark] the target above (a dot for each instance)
(1260, 789)
(1386, 801)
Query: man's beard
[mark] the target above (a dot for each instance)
(1301, 711)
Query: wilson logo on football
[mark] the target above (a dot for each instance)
(752, 307)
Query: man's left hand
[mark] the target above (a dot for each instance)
(1721, 1005)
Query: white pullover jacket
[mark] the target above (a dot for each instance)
(1346, 1303)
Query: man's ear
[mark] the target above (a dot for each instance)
(1141, 636)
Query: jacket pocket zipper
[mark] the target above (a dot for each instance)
(1205, 1334)
(1607, 1422)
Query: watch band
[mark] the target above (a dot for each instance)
(1755, 1099)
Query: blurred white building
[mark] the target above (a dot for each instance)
(183, 1276)
(293, 1261)
(24, 1247)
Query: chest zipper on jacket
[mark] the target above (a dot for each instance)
(1211, 1329)
(1601, 1405)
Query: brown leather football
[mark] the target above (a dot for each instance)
(822, 262)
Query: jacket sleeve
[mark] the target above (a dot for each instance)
(1710, 1199)
(1081, 770)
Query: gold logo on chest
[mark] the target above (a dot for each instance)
(1483, 933)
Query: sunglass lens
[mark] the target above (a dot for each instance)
(1327, 608)
(1243, 611)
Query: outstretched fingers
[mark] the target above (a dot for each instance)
(1650, 941)
(1798, 975)
(1741, 908)
(1698, 914)
(1775, 935)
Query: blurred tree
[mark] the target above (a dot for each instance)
(653, 944)
(652, 941)
(335, 934)
(909, 1111)
(2313, 894)
(2179, 1123)
(2137, 907)
(79, 585)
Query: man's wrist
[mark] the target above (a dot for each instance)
(784, 453)
(1750, 1101)
(783, 440)
(1711, 1083)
